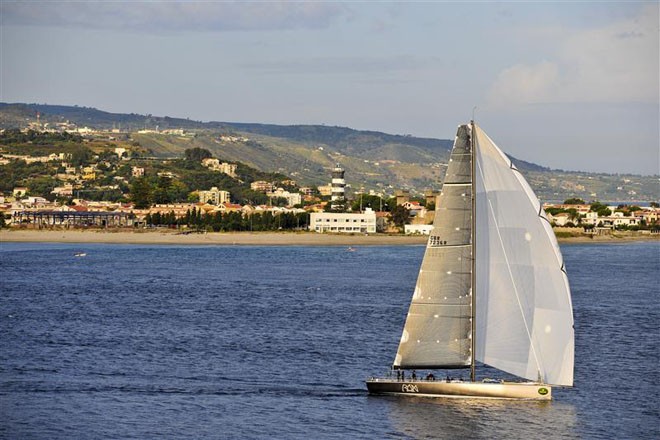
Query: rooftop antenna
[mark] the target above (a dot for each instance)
(474, 109)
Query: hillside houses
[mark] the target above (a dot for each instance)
(223, 167)
(617, 217)
(214, 196)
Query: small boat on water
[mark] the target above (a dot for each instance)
(492, 287)
(80, 254)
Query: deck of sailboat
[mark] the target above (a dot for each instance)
(460, 389)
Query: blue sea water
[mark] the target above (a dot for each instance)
(139, 342)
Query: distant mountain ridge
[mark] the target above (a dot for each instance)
(373, 160)
(361, 143)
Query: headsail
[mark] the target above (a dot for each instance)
(437, 333)
(524, 317)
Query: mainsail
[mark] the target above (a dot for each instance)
(438, 328)
(524, 318)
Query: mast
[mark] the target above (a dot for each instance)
(474, 260)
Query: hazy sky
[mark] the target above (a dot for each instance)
(572, 85)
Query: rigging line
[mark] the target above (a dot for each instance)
(515, 288)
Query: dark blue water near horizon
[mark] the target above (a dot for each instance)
(138, 342)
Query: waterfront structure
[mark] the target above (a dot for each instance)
(343, 222)
(71, 217)
(214, 196)
(338, 197)
(417, 229)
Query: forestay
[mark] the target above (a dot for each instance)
(524, 319)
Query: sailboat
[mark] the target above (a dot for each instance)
(492, 287)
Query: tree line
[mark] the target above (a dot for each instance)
(230, 221)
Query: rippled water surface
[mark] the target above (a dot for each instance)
(275, 342)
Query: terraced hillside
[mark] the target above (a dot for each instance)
(372, 160)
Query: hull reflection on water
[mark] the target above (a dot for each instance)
(449, 418)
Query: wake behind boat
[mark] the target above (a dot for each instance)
(491, 238)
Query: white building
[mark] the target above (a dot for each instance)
(291, 198)
(261, 185)
(417, 229)
(214, 196)
(65, 191)
(343, 222)
(120, 152)
(224, 167)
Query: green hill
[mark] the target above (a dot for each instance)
(372, 160)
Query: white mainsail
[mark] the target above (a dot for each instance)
(524, 317)
(523, 314)
(438, 328)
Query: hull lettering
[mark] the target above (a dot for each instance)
(409, 388)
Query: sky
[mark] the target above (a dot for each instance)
(569, 85)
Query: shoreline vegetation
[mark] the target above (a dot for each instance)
(174, 237)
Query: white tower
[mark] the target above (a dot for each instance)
(338, 199)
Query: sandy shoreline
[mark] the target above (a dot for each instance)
(167, 237)
(211, 238)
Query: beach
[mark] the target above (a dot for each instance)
(173, 237)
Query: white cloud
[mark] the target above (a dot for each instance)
(172, 16)
(525, 84)
(616, 63)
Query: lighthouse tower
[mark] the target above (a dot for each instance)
(338, 199)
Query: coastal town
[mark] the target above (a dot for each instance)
(99, 180)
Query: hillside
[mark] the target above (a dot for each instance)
(373, 160)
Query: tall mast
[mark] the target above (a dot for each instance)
(474, 246)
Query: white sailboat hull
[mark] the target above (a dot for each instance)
(459, 389)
